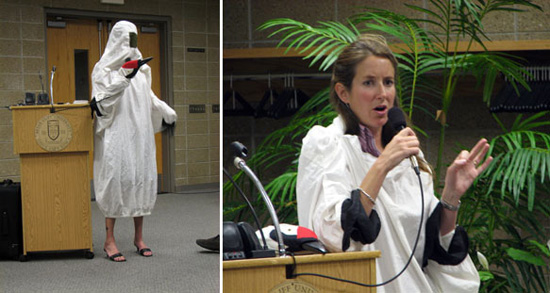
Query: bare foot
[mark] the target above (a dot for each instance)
(113, 253)
(143, 249)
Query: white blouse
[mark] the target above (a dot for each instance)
(331, 165)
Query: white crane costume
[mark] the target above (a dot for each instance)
(331, 165)
(128, 115)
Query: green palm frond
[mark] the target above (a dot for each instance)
(522, 158)
(231, 208)
(534, 121)
(465, 17)
(282, 189)
(326, 40)
(395, 25)
(510, 6)
(272, 155)
(487, 66)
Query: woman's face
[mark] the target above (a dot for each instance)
(372, 92)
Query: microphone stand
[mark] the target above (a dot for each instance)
(241, 165)
(52, 110)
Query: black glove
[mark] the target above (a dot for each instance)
(131, 67)
(95, 108)
(166, 126)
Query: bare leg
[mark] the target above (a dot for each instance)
(110, 244)
(138, 236)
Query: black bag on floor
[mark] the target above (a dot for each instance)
(11, 236)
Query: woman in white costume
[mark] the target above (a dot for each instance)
(127, 116)
(360, 193)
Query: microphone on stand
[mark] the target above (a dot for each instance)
(396, 119)
(51, 89)
(241, 152)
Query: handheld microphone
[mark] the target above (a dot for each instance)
(396, 119)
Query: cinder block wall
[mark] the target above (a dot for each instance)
(195, 23)
(242, 18)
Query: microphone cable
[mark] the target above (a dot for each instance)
(256, 219)
(385, 282)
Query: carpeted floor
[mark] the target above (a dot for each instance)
(178, 264)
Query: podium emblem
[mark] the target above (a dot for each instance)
(53, 132)
(53, 129)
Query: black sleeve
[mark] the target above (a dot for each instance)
(458, 250)
(355, 222)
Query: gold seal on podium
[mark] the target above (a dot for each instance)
(53, 132)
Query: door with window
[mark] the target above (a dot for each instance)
(74, 45)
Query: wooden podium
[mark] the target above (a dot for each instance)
(269, 274)
(54, 150)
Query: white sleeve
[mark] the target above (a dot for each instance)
(323, 186)
(459, 278)
(161, 111)
(446, 239)
(107, 88)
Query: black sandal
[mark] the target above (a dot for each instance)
(114, 256)
(143, 251)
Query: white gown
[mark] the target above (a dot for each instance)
(125, 171)
(331, 165)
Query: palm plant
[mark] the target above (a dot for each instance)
(461, 20)
(502, 200)
(331, 38)
(425, 51)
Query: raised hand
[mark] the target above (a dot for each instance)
(464, 170)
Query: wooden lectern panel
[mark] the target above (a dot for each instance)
(269, 274)
(252, 280)
(353, 270)
(56, 201)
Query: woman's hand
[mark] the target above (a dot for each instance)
(462, 172)
(403, 145)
